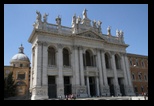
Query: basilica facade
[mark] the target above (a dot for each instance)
(78, 60)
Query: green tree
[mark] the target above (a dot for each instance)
(9, 87)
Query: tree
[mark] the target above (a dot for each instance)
(9, 86)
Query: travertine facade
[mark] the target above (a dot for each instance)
(78, 59)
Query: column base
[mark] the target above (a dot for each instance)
(106, 91)
(39, 93)
(117, 90)
(82, 91)
(129, 90)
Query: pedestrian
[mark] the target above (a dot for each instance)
(144, 95)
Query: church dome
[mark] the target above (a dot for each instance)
(20, 56)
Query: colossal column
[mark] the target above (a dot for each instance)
(37, 90)
(116, 85)
(106, 87)
(130, 86)
(60, 83)
(44, 71)
(125, 74)
(100, 71)
(81, 66)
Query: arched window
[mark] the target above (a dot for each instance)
(107, 61)
(117, 61)
(145, 77)
(51, 56)
(137, 62)
(130, 62)
(142, 89)
(140, 76)
(88, 59)
(65, 57)
(142, 64)
(133, 76)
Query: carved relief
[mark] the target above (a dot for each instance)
(41, 92)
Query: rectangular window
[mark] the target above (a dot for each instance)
(21, 76)
(20, 65)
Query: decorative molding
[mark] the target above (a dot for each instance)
(60, 46)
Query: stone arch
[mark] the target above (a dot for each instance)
(107, 57)
(66, 56)
(89, 57)
(117, 61)
(52, 55)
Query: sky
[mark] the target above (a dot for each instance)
(131, 18)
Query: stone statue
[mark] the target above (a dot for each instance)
(99, 26)
(84, 13)
(109, 30)
(121, 33)
(58, 20)
(38, 18)
(74, 19)
(94, 24)
(117, 33)
(45, 17)
(78, 20)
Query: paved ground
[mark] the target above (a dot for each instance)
(92, 98)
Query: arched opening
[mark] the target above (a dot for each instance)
(51, 56)
(117, 61)
(89, 58)
(107, 61)
(66, 57)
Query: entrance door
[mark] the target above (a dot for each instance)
(52, 87)
(92, 86)
(67, 86)
(111, 86)
(122, 90)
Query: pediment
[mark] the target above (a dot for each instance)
(90, 34)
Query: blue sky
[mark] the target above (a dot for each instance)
(131, 18)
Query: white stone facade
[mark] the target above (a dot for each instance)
(106, 73)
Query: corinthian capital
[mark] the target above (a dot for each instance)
(60, 46)
(39, 42)
(45, 43)
(75, 47)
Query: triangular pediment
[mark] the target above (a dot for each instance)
(90, 34)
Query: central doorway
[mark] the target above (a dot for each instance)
(67, 86)
(52, 87)
(92, 86)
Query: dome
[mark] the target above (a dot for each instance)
(20, 56)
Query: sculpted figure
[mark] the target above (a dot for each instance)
(45, 17)
(58, 20)
(84, 13)
(109, 30)
(38, 18)
(78, 20)
(94, 24)
(99, 25)
(74, 20)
